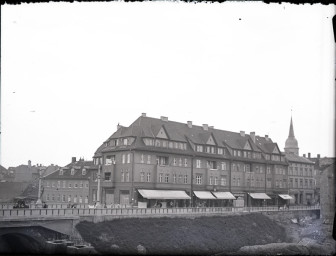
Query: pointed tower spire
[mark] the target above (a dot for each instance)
(291, 145)
(291, 129)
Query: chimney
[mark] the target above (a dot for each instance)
(318, 156)
(29, 163)
(205, 127)
(189, 124)
(143, 114)
(266, 137)
(242, 133)
(304, 155)
(73, 159)
(252, 135)
(308, 155)
(118, 126)
(164, 118)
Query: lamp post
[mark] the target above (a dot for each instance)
(39, 202)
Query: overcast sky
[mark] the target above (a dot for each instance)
(71, 72)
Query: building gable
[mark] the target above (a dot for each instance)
(211, 141)
(276, 150)
(247, 146)
(162, 134)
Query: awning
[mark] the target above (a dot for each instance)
(259, 196)
(224, 195)
(204, 195)
(163, 194)
(286, 197)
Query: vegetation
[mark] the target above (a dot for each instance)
(202, 235)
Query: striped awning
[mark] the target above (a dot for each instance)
(163, 194)
(224, 195)
(259, 196)
(204, 195)
(287, 197)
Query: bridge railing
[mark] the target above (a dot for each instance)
(28, 212)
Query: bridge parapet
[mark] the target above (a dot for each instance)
(27, 213)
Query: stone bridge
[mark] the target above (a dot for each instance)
(33, 227)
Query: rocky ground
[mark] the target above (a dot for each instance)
(247, 234)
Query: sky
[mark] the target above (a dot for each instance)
(70, 72)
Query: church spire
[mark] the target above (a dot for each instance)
(291, 129)
(291, 145)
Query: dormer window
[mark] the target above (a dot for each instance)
(72, 171)
(125, 141)
(61, 172)
(84, 171)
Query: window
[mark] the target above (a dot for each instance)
(86, 184)
(70, 185)
(166, 178)
(210, 180)
(69, 198)
(48, 198)
(142, 177)
(199, 179)
(107, 176)
(171, 144)
(164, 144)
(125, 141)
(180, 179)
(301, 183)
(180, 162)
(296, 183)
(174, 178)
(72, 171)
(238, 182)
(234, 182)
(123, 159)
(234, 167)
(86, 200)
(84, 171)
(181, 145)
(162, 160)
(223, 166)
(75, 199)
(174, 161)
(199, 148)
(239, 153)
(198, 163)
(157, 143)
(148, 159)
(291, 183)
(148, 177)
(63, 198)
(127, 176)
(53, 197)
(310, 183)
(268, 170)
(94, 194)
(185, 179)
(223, 181)
(161, 177)
(269, 182)
(76, 185)
(185, 162)
(64, 183)
(58, 184)
(247, 167)
(80, 199)
(61, 172)
(212, 164)
(109, 160)
(306, 183)
(81, 184)
(122, 176)
(142, 158)
(128, 158)
(216, 180)
(220, 151)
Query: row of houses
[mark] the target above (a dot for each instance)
(156, 161)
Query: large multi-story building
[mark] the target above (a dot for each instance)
(301, 173)
(182, 164)
(70, 184)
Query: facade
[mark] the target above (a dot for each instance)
(327, 198)
(70, 184)
(154, 157)
(301, 173)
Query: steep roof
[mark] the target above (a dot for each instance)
(78, 166)
(180, 132)
(298, 159)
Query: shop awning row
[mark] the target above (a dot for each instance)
(180, 194)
